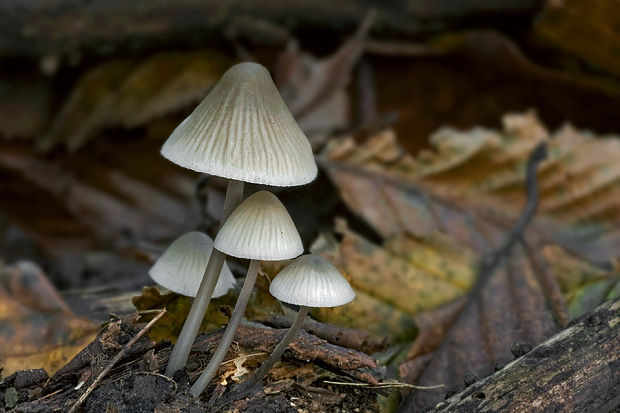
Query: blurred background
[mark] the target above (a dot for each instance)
(449, 96)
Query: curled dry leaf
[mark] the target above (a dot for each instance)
(471, 186)
(39, 330)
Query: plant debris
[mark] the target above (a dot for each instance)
(135, 383)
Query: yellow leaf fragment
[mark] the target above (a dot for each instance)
(38, 329)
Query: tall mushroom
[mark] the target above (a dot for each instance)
(242, 131)
(181, 266)
(309, 281)
(259, 229)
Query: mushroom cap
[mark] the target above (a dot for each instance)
(181, 267)
(243, 130)
(312, 281)
(260, 228)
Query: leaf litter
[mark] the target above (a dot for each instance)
(438, 214)
(469, 191)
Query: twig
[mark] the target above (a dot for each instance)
(516, 232)
(243, 357)
(384, 385)
(115, 360)
(47, 396)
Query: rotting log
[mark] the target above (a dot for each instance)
(576, 370)
(58, 27)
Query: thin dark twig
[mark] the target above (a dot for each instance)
(115, 360)
(490, 262)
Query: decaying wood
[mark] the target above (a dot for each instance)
(127, 376)
(576, 370)
(342, 336)
(58, 27)
(115, 360)
(305, 347)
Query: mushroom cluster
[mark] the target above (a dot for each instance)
(244, 132)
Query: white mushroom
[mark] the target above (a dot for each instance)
(309, 281)
(244, 131)
(259, 229)
(181, 267)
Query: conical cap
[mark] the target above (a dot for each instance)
(181, 267)
(243, 130)
(311, 280)
(260, 229)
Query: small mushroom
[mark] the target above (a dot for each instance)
(242, 131)
(259, 229)
(181, 267)
(309, 281)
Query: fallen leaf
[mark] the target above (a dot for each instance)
(315, 89)
(39, 330)
(87, 200)
(123, 93)
(471, 186)
(177, 306)
(470, 190)
(393, 281)
(588, 31)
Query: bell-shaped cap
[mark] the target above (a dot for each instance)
(312, 281)
(243, 130)
(260, 228)
(181, 267)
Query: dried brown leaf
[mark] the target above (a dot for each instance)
(314, 89)
(85, 199)
(123, 93)
(471, 186)
(586, 30)
(470, 189)
(39, 330)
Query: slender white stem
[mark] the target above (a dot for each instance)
(234, 195)
(229, 333)
(183, 346)
(278, 351)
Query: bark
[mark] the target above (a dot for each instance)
(39, 27)
(341, 336)
(577, 370)
(305, 347)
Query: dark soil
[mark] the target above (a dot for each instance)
(136, 384)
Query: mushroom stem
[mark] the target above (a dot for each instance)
(229, 333)
(278, 351)
(234, 195)
(183, 346)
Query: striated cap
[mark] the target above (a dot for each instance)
(182, 266)
(243, 130)
(312, 281)
(260, 229)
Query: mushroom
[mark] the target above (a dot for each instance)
(181, 266)
(259, 229)
(242, 131)
(308, 281)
